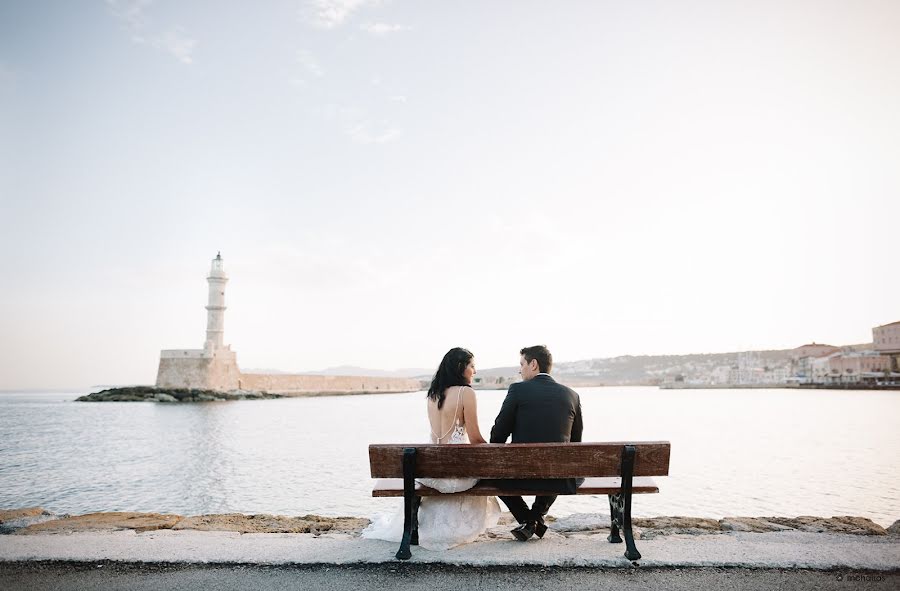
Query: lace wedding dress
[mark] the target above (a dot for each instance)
(444, 522)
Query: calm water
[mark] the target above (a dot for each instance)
(734, 452)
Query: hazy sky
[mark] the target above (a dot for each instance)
(388, 179)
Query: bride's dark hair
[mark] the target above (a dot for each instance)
(449, 373)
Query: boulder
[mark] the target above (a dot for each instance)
(580, 522)
(649, 528)
(139, 522)
(847, 524)
(750, 524)
(163, 397)
(16, 519)
(7, 515)
(894, 529)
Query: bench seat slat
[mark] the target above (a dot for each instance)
(393, 487)
(520, 460)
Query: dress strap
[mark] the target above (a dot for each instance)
(455, 417)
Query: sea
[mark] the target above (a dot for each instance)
(765, 452)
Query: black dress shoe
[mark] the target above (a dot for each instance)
(523, 532)
(540, 529)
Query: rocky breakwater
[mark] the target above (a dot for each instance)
(647, 528)
(151, 394)
(35, 520)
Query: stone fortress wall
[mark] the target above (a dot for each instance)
(215, 367)
(304, 384)
(198, 368)
(208, 373)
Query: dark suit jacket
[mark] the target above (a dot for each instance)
(539, 410)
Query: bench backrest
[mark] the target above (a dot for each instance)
(520, 460)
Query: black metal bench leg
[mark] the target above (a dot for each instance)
(409, 503)
(615, 517)
(414, 538)
(631, 552)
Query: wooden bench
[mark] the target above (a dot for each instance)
(618, 470)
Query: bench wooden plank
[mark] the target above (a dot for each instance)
(393, 487)
(520, 460)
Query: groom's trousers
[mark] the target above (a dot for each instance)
(519, 508)
(522, 513)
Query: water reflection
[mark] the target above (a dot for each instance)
(198, 455)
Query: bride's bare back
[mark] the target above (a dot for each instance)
(459, 410)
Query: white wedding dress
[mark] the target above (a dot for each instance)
(444, 522)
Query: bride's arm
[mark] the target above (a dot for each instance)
(470, 412)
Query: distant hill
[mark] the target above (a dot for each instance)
(643, 369)
(496, 372)
(621, 370)
(653, 369)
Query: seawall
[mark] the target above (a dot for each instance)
(290, 384)
(218, 370)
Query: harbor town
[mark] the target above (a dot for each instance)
(874, 365)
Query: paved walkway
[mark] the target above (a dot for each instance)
(776, 550)
(35, 576)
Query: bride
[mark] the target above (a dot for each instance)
(445, 522)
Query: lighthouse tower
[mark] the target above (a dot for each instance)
(214, 367)
(215, 309)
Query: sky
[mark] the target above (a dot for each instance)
(389, 179)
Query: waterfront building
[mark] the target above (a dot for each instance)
(857, 366)
(870, 364)
(820, 369)
(886, 340)
(803, 361)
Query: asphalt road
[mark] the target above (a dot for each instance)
(28, 576)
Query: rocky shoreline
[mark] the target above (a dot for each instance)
(151, 394)
(35, 520)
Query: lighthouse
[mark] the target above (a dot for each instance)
(214, 367)
(215, 309)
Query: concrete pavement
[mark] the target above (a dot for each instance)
(772, 550)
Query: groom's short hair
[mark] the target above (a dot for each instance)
(541, 354)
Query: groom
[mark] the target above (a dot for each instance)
(537, 410)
